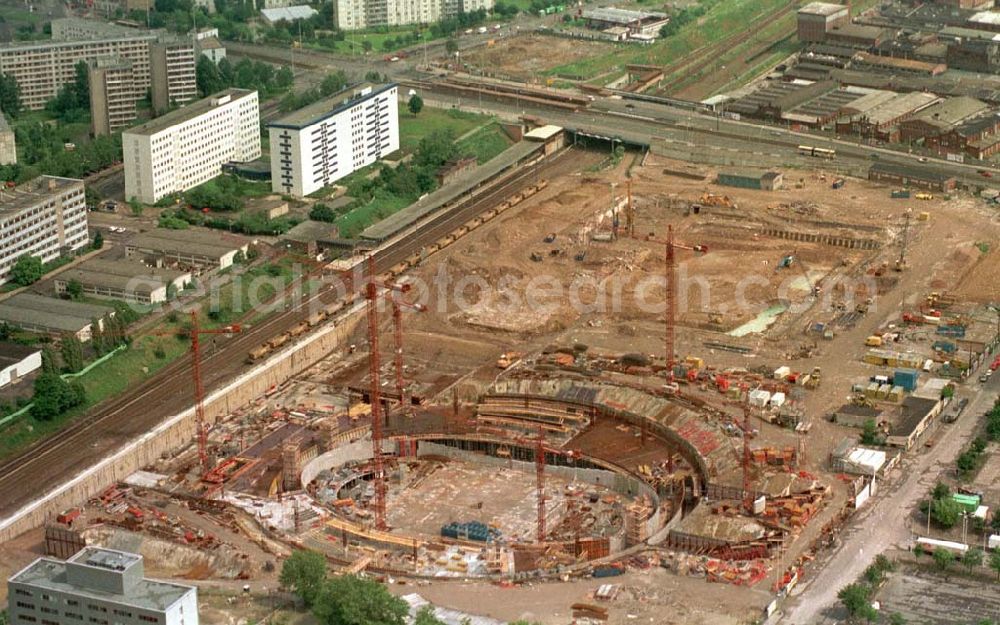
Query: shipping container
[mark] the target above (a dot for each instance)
(901, 194)
(907, 378)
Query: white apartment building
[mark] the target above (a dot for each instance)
(323, 142)
(41, 218)
(97, 587)
(358, 14)
(188, 146)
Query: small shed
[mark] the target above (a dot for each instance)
(762, 181)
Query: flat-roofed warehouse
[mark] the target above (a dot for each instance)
(816, 19)
(49, 315)
(186, 248)
(125, 280)
(910, 176)
(635, 22)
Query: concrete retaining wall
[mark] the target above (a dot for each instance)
(179, 430)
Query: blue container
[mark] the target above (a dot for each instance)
(907, 378)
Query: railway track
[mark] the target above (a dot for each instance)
(711, 53)
(46, 463)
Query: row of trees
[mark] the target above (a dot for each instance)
(347, 599)
(245, 74)
(72, 103)
(330, 85)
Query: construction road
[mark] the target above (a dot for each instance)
(51, 461)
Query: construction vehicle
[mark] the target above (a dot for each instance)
(924, 196)
(837, 184)
(506, 359)
(711, 199)
(814, 378)
(874, 341)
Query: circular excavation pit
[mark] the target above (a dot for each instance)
(460, 507)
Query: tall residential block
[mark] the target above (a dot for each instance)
(43, 67)
(42, 218)
(112, 95)
(816, 19)
(325, 141)
(357, 14)
(189, 146)
(172, 73)
(8, 146)
(99, 587)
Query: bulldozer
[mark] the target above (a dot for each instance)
(711, 199)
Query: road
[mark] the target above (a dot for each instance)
(50, 461)
(888, 522)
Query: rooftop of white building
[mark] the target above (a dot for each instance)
(328, 107)
(190, 111)
(28, 194)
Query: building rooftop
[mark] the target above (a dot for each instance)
(957, 32)
(146, 594)
(912, 412)
(96, 29)
(198, 242)
(825, 9)
(310, 230)
(977, 125)
(910, 171)
(857, 31)
(859, 411)
(543, 133)
(210, 43)
(986, 17)
(28, 194)
(951, 111)
(13, 353)
(621, 16)
(190, 111)
(900, 106)
(125, 275)
(297, 12)
(328, 107)
(49, 312)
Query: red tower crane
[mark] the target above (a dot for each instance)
(397, 330)
(199, 389)
(540, 449)
(671, 292)
(372, 293)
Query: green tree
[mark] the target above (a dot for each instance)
(995, 562)
(10, 95)
(74, 289)
(72, 353)
(855, 600)
(27, 270)
(98, 241)
(366, 46)
(322, 212)
(425, 616)
(874, 575)
(136, 206)
(946, 512)
(53, 396)
(416, 104)
(897, 619)
(451, 46)
(284, 78)
(303, 573)
(869, 435)
(207, 77)
(49, 361)
(966, 462)
(943, 558)
(5, 331)
(350, 600)
(97, 339)
(972, 558)
(940, 491)
(884, 564)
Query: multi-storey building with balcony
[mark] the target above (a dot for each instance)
(323, 142)
(42, 217)
(188, 146)
(357, 14)
(112, 95)
(172, 72)
(97, 587)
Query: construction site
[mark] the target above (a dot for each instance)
(630, 373)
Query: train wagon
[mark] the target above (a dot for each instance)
(278, 341)
(258, 352)
(316, 318)
(299, 329)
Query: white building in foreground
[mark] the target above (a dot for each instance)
(42, 217)
(325, 141)
(97, 587)
(188, 146)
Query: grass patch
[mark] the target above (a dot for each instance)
(485, 143)
(413, 128)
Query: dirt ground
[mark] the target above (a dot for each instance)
(926, 596)
(528, 55)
